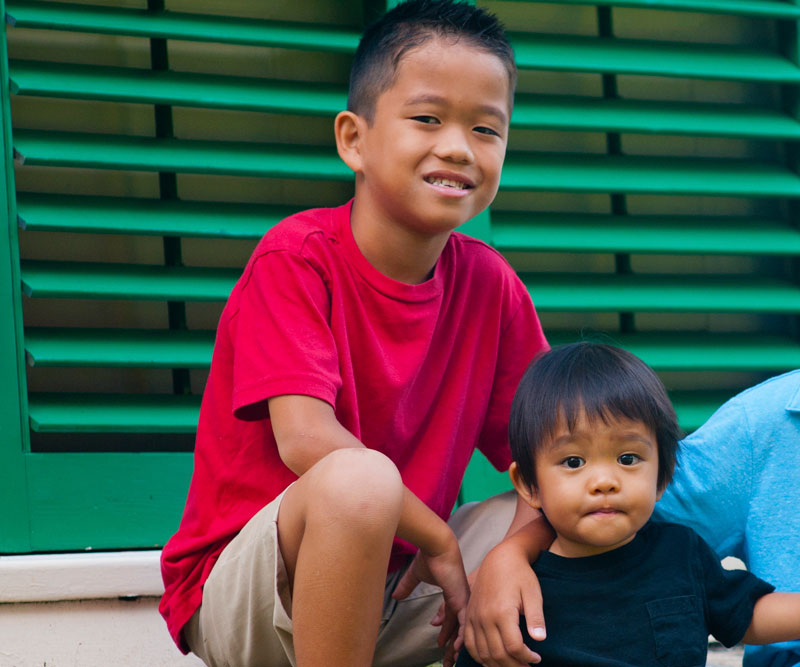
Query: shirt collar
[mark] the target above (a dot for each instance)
(794, 403)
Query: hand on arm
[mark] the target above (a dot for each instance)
(438, 562)
(505, 587)
(776, 618)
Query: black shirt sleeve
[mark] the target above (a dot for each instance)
(730, 596)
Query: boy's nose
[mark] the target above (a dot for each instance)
(453, 145)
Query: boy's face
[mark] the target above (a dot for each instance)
(597, 484)
(431, 157)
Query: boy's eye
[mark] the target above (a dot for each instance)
(629, 459)
(573, 462)
(487, 130)
(427, 120)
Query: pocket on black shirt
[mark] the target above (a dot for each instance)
(679, 631)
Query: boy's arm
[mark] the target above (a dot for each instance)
(504, 587)
(306, 429)
(776, 618)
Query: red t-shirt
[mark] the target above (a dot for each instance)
(423, 373)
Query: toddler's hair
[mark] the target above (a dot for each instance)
(603, 382)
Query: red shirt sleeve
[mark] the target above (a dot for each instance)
(281, 335)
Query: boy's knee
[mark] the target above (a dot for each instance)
(359, 486)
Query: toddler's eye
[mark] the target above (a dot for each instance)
(573, 462)
(427, 120)
(487, 130)
(628, 459)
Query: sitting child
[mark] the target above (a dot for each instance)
(594, 440)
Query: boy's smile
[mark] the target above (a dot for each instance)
(597, 484)
(430, 157)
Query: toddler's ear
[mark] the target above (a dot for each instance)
(349, 129)
(529, 495)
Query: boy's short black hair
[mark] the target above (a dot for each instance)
(408, 26)
(600, 380)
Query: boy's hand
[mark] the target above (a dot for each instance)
(441, 567)
(504, 587)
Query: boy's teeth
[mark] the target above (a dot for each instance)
(447, 183)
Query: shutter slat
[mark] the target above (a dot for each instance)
(123, 281)
(664, 351)
(125, 215)
(113, 413)
(648, 175)
(565, 232)
(530, 111)
(686, 351)
(120, 84)
(651, 58)
(140, 413)
(550, 291)
(762, 8)
(599, 292)
(137, 348)
(95, 151)
(522, 171)
(177, 25)
(596, 114)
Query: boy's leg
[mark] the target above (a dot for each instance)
(407, 638)
(336, 526)
(319, 596)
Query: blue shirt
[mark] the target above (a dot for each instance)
(738, 485)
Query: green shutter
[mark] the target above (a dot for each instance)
(647, 197)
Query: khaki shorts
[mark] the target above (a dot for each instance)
(245, 619)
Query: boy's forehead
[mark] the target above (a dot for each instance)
(435, 53)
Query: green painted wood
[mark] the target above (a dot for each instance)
(177, 25)
(481, 480)
(83, 502)
(113, 413)
(96, 151)
(689, 351)
(122, 281)
(139, 348)
(565, 232)
(123, 84)
(760, 8)
(597, 114)
(120, 84)
(14, 518)
(126, 215)
(664, 351)
(712, 293)
(522, 171)
(651, 174)
(550, 291)
(651, 58)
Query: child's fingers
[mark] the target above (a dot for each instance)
(532, 609)
(408, 582)
(437, 620)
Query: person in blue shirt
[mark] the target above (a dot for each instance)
(738, 485)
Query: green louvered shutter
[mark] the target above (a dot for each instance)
(648, 195)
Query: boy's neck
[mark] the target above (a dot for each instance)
(395, 250)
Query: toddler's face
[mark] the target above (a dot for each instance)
(597, 484)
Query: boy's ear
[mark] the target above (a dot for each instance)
(529, 495)
(349, 129)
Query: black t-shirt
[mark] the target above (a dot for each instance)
(653, 601)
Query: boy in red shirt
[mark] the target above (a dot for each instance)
(363, 355)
